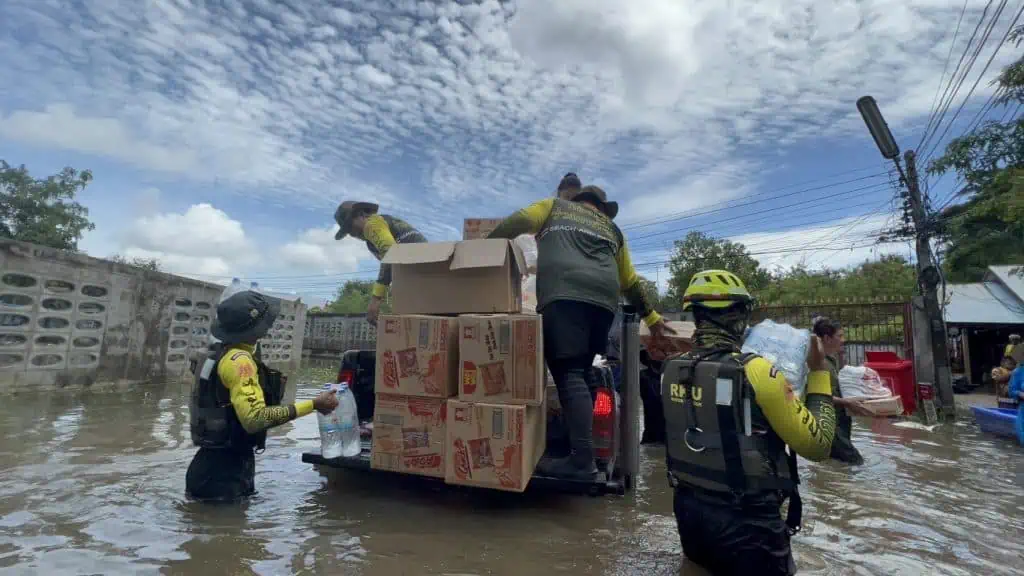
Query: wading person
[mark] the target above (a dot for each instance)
(380, 232)
(831, 334)
(583, 267)
(235, 399)
(729, 418)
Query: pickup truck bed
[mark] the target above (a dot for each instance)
(600, 487)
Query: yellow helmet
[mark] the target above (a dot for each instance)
(715, 289)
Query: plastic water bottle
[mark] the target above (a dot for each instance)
(348, 416)
(330, 430)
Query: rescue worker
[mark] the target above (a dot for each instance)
(583, 266)
(729, 419)
(235, 399)
(1013, 343)
(831, 334)
(380, 232)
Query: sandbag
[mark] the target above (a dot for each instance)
(784, 346)
(861, 381)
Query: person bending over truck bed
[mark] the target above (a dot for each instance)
(729, 418)
(381, 232)
(583, 266)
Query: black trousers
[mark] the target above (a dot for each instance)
(226, 475)
(728, 540)
(842, 445)
(574, 332)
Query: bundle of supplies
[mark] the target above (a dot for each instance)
(784, 346)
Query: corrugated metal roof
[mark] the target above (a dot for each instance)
(1013, 282)
(984, 303)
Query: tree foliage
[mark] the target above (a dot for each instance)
(354, 298)
(701, 251)
(43, 211)
(151, 264)
(988, 227)
(888, 278)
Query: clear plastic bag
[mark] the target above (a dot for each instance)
(528, 245)
(784, 346)
(860, 381)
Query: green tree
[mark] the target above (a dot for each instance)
(43, 211)
(988, 227)
(651, 292)
(891, 277)
(701, 251)
(151, 264)
(354, 297)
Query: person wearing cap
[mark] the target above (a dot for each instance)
(583, 267)
(1011, 346)
(236, 399)
(380, 232)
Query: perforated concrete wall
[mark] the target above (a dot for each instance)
(68, 319)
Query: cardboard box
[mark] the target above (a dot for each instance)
(417, 356)
(884, 407)
(477, 228)
(409, 435)
(493, 445)
(672, 344)
(501, 359)
(473, 276)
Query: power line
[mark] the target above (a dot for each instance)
(935, 100)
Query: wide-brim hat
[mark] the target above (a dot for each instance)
(244, 318)
(597, 195)
(343, 215)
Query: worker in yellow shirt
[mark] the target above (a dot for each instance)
(235, 399)
(583, 269)
(729, 419)
(380, 232)
(1010, 347)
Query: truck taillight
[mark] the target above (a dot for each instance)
(346, 376)
(603, 404)
(604, 423)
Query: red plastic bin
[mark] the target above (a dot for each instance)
(898, 375)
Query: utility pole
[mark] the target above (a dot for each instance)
(928, 276)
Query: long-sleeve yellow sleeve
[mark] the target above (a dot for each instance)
(238, 374)
(529, 220)
(808, 428)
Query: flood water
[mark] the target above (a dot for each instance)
(92, 482)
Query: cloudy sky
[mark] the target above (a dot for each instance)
(223, 133)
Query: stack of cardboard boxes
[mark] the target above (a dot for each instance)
(460, 371)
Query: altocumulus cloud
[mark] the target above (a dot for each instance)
(451, 109)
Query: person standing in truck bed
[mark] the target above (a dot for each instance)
(380, 232)
(583, 267)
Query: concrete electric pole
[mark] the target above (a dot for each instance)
(928, 276)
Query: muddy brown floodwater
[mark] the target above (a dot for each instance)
(92, 482)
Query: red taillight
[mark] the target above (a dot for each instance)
(604, 424)
(603, 404)
(346, 376)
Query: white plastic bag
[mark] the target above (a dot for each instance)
(784, 346)
(528, 245)
(530, 294)
(860, 381)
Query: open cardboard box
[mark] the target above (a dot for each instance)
(671, 344)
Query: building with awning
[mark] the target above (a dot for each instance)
(980, 318)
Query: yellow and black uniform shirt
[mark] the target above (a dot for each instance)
(238, 373)
(581, 256)
(381, 233)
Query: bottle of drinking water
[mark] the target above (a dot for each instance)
(348, 416)
(339, 430)
(330, 430)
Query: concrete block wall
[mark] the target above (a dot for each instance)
(69, 319)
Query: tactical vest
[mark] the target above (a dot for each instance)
(718, 440)
(213, 421)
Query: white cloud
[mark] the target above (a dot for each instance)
(440, 111)
(206, 243)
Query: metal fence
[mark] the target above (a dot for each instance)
(867, 326)
(331, 333)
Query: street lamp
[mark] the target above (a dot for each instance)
(879, 129)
